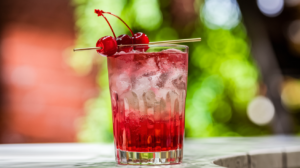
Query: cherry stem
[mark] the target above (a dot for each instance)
(120, 19)
(100, 13)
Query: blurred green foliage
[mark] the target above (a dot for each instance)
(222, 77)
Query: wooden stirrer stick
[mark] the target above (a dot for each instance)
(151, 43)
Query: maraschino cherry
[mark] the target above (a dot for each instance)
(108, 44)
(124, 39)
(141, 38)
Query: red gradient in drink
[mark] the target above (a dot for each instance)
(142, 133)
(148, 93)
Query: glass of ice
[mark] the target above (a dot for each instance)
(148, 91)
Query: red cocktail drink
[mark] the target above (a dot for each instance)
(148, 91)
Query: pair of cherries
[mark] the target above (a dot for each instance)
(110, 44)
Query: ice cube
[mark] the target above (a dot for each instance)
(122, 83)
(141, 85)
(164, 63)
(179, 82)
(162, 79)
(146, 67)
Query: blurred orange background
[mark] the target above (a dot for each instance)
(41, 95)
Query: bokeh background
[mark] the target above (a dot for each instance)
(243, 76)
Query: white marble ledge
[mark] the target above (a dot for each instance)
(259, 152)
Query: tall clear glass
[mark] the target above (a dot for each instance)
(148, 91)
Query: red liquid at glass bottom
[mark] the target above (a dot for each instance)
(142, 133)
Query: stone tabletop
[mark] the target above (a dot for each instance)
(260, 152)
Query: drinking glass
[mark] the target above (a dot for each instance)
(148, 91)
